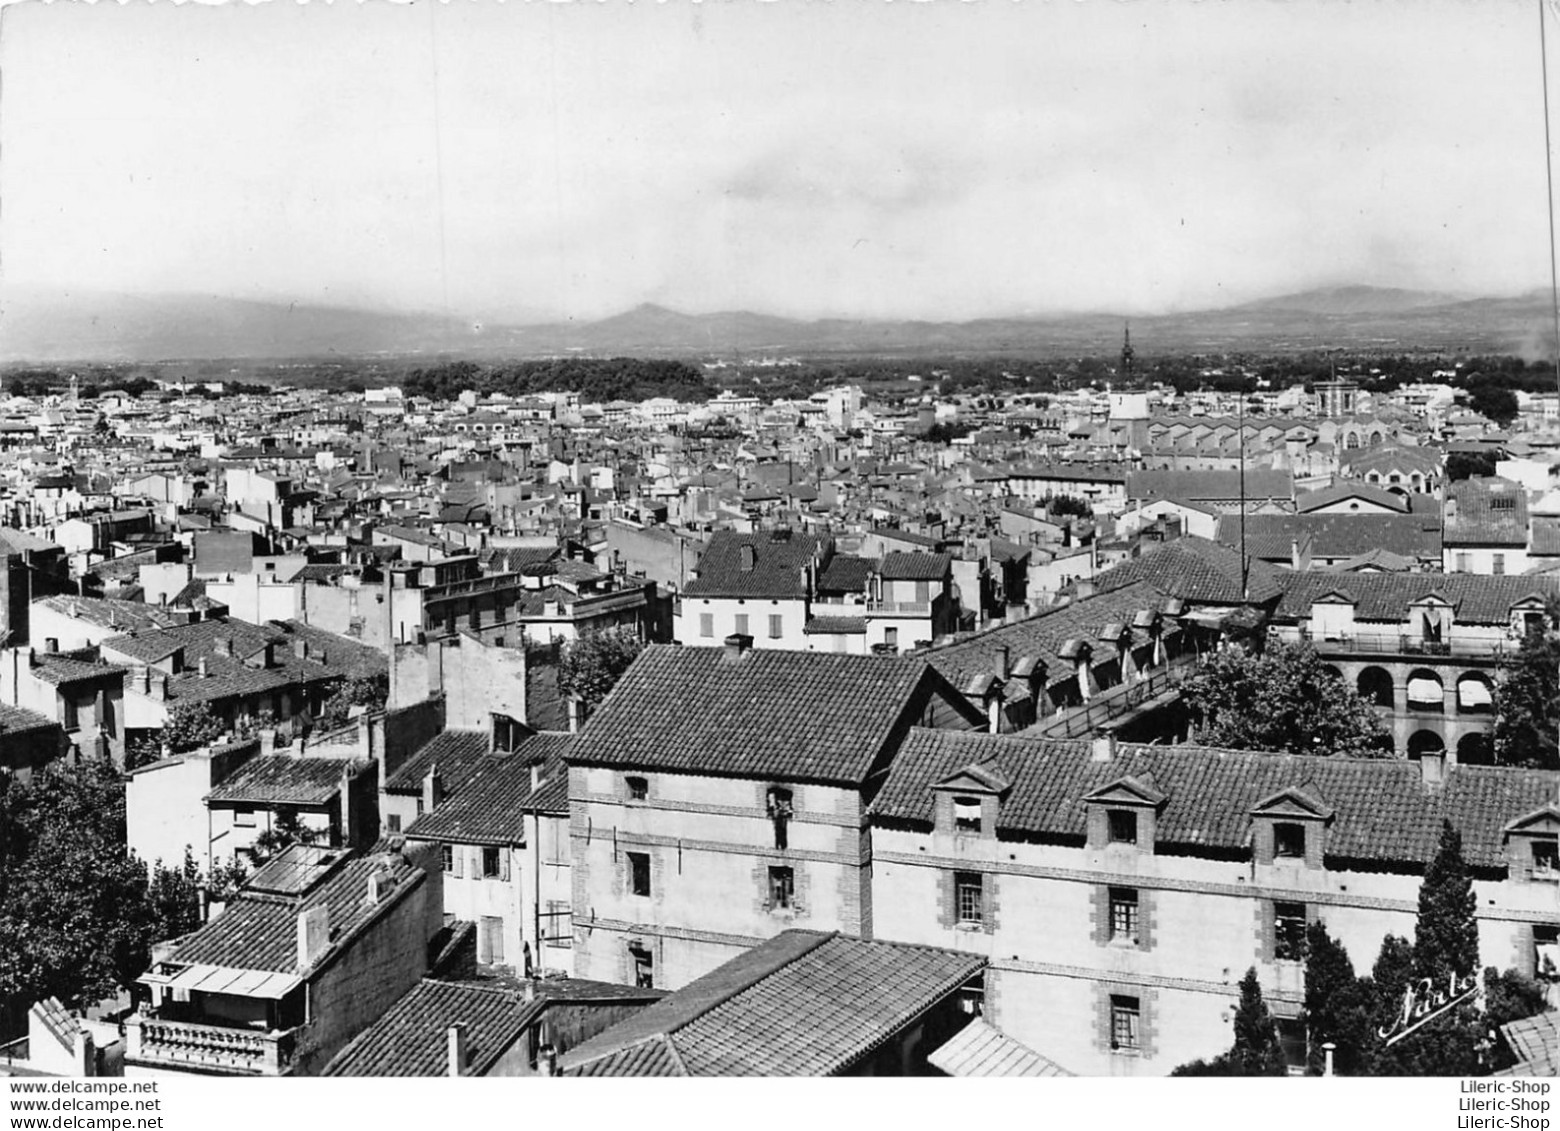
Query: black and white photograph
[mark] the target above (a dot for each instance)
(779, 538)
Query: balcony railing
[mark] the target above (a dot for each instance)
(211, 1048)
(1402, 644)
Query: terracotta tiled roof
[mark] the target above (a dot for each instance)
(778, 570)
(1335, 535)
(1198, 486)
(801, 1004)
(411, 1038)
(457, 753)
(276, 779)
(259, 930)
(1384, 813)
(799, 716)
(1476, 598)
(916, 567)
(1195, 570)
(1041, 636)
(491, 805)
(846, 574)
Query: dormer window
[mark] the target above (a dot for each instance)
(966, 815)
(1289, 840)
(1123, 825)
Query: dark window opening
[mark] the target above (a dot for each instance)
(1289, 840)
(644, 966)
(1289, 932)
(778, 804)
(1123, 826)
(782, 887)
(492, 862)
(1546, 855)
(638, 788)
(639, 873)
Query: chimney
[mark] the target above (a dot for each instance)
(379, 884)
(1003, 668)
(83, 1053)
(1294, 554)
(51, 644)
(202, 666)
(455, 1042)
(1432, 767)
(432, 789)
(1102, 747)
(536, 776)
(301, 649)
(738, 644)
(222, 645)
(313, 935)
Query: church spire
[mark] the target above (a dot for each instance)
(1126, 354)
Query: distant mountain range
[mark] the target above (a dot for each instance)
(57, 327)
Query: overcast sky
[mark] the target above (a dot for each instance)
(942, 160)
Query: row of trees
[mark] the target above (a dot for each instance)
(594, 379)
(1351, 1012)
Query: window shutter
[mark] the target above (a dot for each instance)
(503, 864)
(458, 857)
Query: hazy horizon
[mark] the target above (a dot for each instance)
(526, 164)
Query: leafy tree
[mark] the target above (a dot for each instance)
(190, 726)
(361, 691)
(288, 829)
(75, 920)
(590, 667)
(1469, 465)
(1492, 401)
(1338, 1006)
(1527, 704)
(1510, 997)
(1284, 700)
(1060, 506)
(1256, 1051)
(175, 898)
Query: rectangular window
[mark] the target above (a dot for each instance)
(490, 940)
(1461, 565)
(457, 860)
(639, 873)
(707, 625)
(775, 626)
(72, 720)
(891, 637)
(923, 591)
(966, 815)
(742, 624)
(448, 857)
(492, 863)
(1289, 932)
(1498, 564)
(244, 818)
(1291, 1042)
(782, 887)
(777, 803)
(638, 788)
(1124, 915)
(644, 966)
(1289, 840)
(969, 898)
(507, 734)
(557, 841)
(1546, 855)
(558, 926)
(1125, 1023)
(1123, 826)
(393, 822)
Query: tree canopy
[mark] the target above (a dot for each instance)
(591, 666)
(1527, 704)
(1256, 1051)
(1284, 700)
